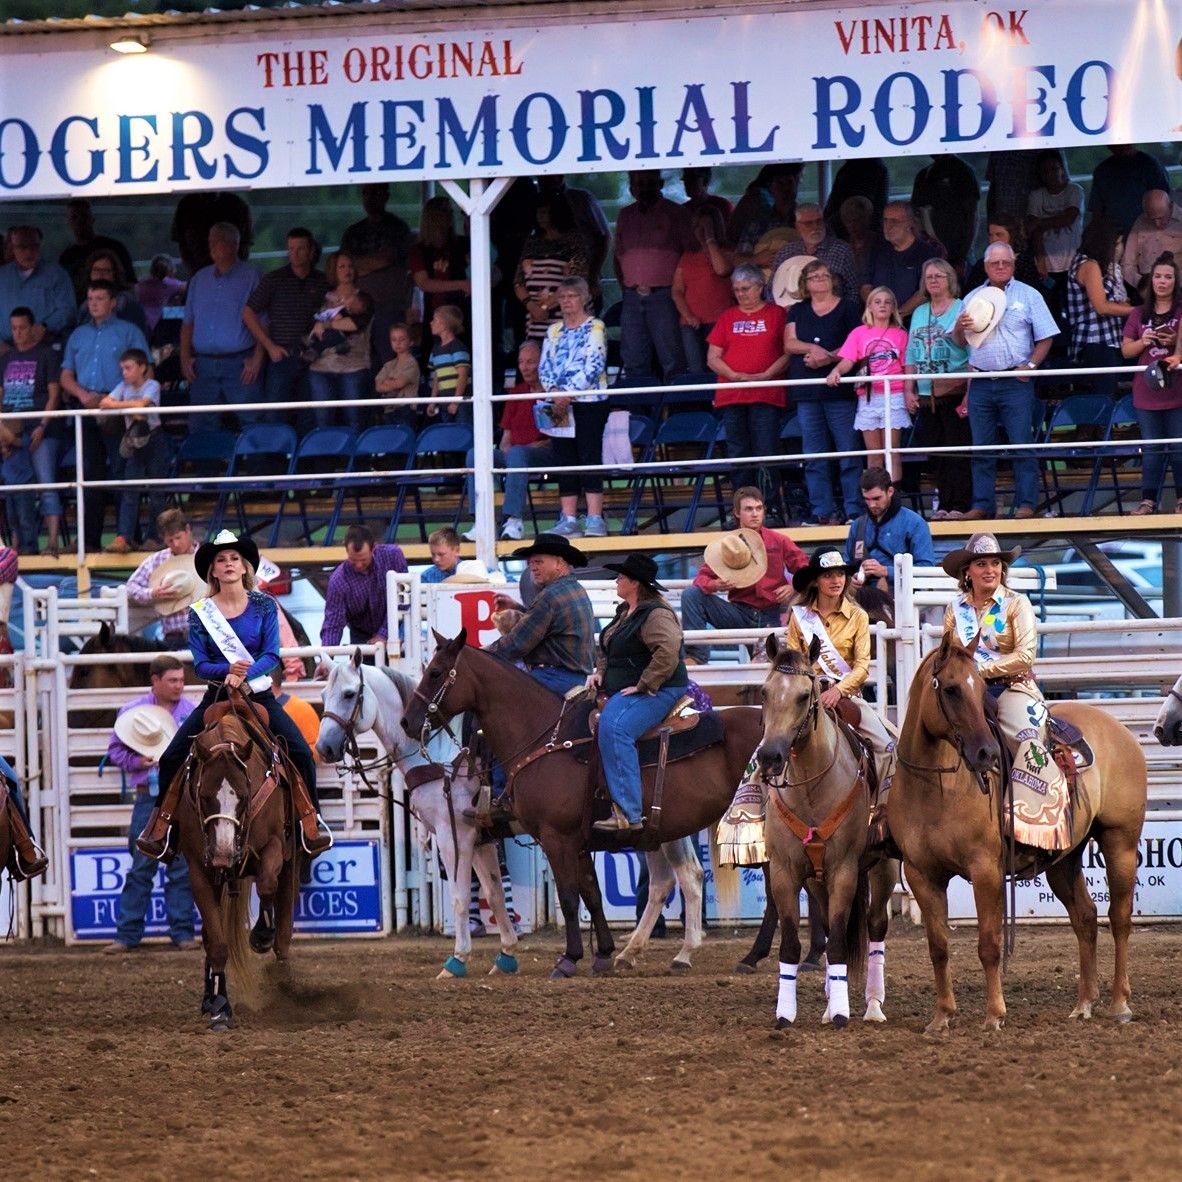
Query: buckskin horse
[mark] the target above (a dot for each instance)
(536, 736)
(235, 824)
(817, 832)
(947, 815)
(360, 698)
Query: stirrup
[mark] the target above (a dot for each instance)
(22, 871)
(321, 843)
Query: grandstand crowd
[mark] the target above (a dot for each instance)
(738, 291)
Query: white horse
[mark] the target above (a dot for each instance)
(360, 698)
(1168, 727)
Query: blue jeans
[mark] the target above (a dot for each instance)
(143, 467)
(286, 381)
(1160, 424)
(701, 610)
(558, 680)
(827, 424)
(136, 895)
(650, 324)
(17, 468)
(1005, 403)
(45, 465)
(752, 429)
(624, 719)
(219, 380)
(328, 387)
(523, 455)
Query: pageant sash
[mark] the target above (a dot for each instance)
(227, 640)
(810, 625)
(991, 625)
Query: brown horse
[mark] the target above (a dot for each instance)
(945, 814)
(235, 824)
(817, 831)
(520, 718)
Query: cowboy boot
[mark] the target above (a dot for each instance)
(28, 859)
(316, 835)
(157, 840)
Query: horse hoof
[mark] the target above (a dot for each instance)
(1123, 1016)
(452, 967)
(782, 1023)
(992, 1024)
(503, 964)
(826, 1017)
(937, 1028)
(873, 1012)
(624, 963)
(681, 966)
(602, 966)
(840, 1021)
(1083, 1011)
(262, 942)
(744, 968)
(564, 969)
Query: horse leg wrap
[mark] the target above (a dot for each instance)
(786, 996)
(839, 994)
(505, 963)
(454, 967)
(876, 971)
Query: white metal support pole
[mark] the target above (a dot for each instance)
(478, 203)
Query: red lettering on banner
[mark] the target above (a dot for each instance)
(476, 611)
(422, 60)
(899, 34)
(299, 67)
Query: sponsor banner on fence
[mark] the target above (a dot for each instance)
(361, 102)
(344, 897)
(450, 610)
(1158, 891)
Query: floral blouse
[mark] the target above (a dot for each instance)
(574, 360)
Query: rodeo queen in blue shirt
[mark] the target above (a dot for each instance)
(234, 638)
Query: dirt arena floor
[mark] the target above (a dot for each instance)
(368, 1068)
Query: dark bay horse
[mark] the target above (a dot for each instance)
(550, 796)
(817, 832)
(235, 824)
(945, 814)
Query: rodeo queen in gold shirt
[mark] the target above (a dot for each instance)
(826, 612)
(1004, 620)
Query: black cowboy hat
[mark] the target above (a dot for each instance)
(555, 545)
(225, 540)
(823, 562)
(639, 567)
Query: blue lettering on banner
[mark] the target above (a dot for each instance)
(344, 896)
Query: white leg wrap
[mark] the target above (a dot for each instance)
(786, 997)
(876, 971)
(839, 991)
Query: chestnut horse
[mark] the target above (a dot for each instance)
(235, 825)
(945, 814)
(520, 717)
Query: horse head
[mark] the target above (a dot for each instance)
(348, 710)
(1168, 727)
(438, 697)
(225, 756)
(791, 704)
(954, 706)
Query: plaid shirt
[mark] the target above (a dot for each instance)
(139, 591)
(558, 630)
(358, 598)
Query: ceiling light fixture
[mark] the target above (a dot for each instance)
(132, 43)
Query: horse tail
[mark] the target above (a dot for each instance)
(856, 927)
(245, 965)
(726, 881)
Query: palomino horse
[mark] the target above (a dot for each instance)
(946, 815)
(817, 829)
(360, 698)
(235, 824)
(532, 735)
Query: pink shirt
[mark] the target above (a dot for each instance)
(885, 349)
(649, 243)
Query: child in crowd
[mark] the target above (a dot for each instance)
(445, 555)
(142, 448)
(334, 327)
(451, 365)
(400, 378)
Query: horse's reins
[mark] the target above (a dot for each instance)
(810, 719)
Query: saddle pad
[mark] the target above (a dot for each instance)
(682, 744)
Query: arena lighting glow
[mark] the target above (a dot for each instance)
(137, 43)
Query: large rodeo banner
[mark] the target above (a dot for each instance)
(889, 80)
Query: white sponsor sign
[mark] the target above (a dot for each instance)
(449, 610)
(316, 108)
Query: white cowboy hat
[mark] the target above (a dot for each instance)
(472, 570)
(986, 307)
(982, 545)
(738, 558)
(786, 280)
(147, 730)
(178, 575)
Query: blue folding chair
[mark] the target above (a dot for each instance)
(1075, 415)
(385, 448)
(680, 488)
(263, 451)
(442, 445)
(324, 449)
(1126, 452)
(202, 454)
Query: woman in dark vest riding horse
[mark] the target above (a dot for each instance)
(641, 666)
(234, 638)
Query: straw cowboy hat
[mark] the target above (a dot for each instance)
(824, 561)
(147, 730)
(786, 280)
(738, 558)
(978, 546)
(639, 567)
(225, 540)
(472, 570)
(555, 545)
(987, 307)
(178, 575)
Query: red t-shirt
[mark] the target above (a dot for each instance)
(518, 418)
(750, 342)
(707, 293)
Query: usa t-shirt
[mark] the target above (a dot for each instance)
(751, 342)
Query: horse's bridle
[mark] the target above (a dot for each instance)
(810, 720)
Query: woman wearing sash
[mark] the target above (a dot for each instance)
(1005, 653)
(826, 611)
(234, 638)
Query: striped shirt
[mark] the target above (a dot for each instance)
(446, 363)
(289, 303)
(558, 630)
